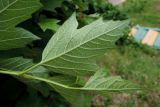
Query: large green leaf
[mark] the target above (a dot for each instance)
(16, 38)
(13, 12)
(74, 51)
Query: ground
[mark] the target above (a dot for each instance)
(137, 63)
(150, 16)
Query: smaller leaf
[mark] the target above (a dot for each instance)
(16, 38)
(101, 82)
(15, 64)
(49, 24)
(76, 97)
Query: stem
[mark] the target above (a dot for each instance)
(44, 80)
(77, 88)
(29, 69)
(61, 85)
(10, 73)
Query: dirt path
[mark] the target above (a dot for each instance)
(116, 2)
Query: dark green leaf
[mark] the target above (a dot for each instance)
(15, 38)
(50, 5)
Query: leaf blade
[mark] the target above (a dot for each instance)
(74, 51)
(65, 85)
(22, 10)
(12, 12)
(16, 38)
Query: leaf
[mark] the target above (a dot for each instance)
(50, 5)
(15, 38)
(20, 64)
(15, 64)
(76, 97)
(67, 85)
(49, 24)
(12, 12)
(99, 83)
(74, 51)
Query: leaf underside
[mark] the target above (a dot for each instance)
(66, 85)
(74, 51)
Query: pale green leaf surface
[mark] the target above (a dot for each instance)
(74, 51)
(20, 64)
(100, 81)
(16, 38)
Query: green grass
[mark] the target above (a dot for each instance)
(137, 63)
(141, 65)
(146, 14)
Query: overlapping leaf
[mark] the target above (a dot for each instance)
(15, 65)
(16, 38)
(12, 12)
(67, 85)
(99, 83)
(74, 51)
(20, 64)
